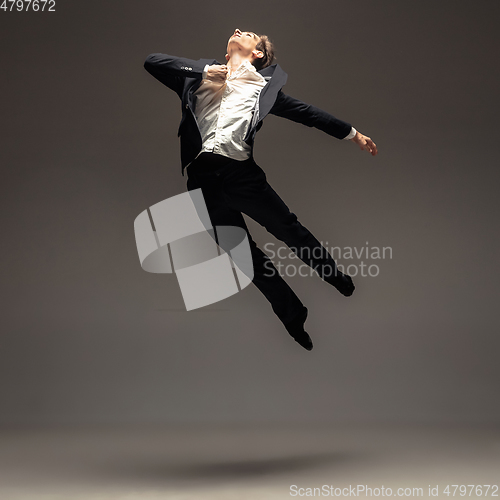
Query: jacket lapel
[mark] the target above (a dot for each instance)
(267, 98)
(276, 78)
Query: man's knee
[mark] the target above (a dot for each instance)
(285, 227)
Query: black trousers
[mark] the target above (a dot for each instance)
(232, 188)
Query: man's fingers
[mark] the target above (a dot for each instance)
(373, 147)
(365, 143)
(370, 146)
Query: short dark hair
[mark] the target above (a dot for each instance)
(266, 46)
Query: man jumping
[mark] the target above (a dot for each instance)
(223, 106)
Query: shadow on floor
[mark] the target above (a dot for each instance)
(223, 470)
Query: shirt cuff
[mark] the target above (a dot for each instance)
(205, 69)
(351, 134)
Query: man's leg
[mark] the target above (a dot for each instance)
(250, 193)
(285, 303)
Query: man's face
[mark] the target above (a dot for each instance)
(243, 42)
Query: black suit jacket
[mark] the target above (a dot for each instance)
(184, 76)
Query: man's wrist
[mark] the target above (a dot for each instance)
(351, 134)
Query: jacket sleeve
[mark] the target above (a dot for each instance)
(307, 114)
(172, 71)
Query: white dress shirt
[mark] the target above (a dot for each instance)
(224, 111)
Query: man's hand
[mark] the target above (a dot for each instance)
(217, 73)
(365, 143)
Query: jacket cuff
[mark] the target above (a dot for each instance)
(351, 134)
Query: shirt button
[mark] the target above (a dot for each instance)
(187, 106)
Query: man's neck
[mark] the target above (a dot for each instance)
(235, 61)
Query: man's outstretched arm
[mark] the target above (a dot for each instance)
(307, 114)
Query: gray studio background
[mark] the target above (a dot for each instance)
(89, 140)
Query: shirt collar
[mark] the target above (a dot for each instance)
(245, 66)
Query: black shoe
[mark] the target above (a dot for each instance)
(296, 329)
(343, 283)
